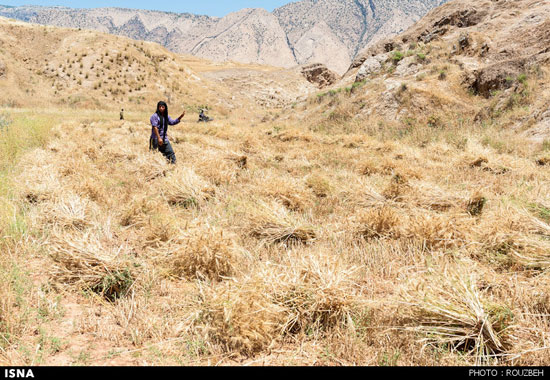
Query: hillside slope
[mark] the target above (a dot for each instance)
(65, 67)
(486, 62)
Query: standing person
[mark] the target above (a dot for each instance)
(122, 114)
(159, 135)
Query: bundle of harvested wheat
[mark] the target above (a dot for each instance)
(240, 316)
(319, 184)
(70, 212)
(38, 184)
(398, 187)
(213, 167)
(288, 191)
(449, 309)
(149, 166)
(160, 229)
(274, 224)
(204, 253)
(316, 292)
(431, 197)
(436, 232)
(138, 213)
(183, 187)
(378, 223)
(513, 237)
(476, 204)
(510, 248)
(84, 261)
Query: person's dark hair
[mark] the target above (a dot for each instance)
(165, 107)
(165, 116)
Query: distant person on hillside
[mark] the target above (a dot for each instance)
(159, 135)
(203, 118)
(122, 114)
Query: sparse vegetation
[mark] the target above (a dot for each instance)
(397, 57)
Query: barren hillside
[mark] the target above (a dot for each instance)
(85, 69)
(400, 217)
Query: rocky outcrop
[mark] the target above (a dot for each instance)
(319, 75)
(497, 77)
(438, 22)
(371, 66)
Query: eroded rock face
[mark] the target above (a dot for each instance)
(319, 75)
(407, 66)
(541, 128)
(497, 77)
(464, 41)
(370, 66)
(462, 18)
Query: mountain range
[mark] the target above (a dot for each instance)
(331, 32)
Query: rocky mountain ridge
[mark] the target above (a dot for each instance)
(330, 32)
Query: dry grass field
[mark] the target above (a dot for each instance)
(326, 233)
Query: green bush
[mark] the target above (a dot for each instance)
(397, 57)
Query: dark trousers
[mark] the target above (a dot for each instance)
(166, 149)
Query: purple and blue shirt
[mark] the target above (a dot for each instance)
(157, 122)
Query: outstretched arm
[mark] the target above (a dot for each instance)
(181, 116)
(176, 121)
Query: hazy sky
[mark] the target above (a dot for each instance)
(204, 7)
